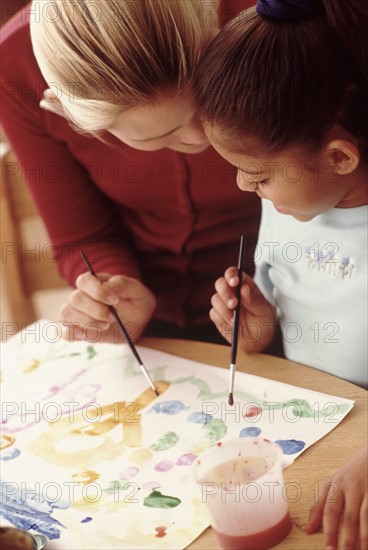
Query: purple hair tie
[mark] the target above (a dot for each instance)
(290, 9)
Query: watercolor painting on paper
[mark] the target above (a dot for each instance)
(92, 458)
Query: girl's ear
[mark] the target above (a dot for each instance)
(343, 154)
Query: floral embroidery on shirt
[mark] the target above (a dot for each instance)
(326, 261)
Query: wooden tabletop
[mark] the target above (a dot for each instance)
(315, 465)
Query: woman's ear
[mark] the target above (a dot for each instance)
(343, 154)
(51, 102)
(212, 8)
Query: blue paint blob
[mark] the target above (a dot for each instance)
(10, 454)
(169, 407)
(250, 432)
(86, 520)
(199, 418)
(290, 446)
(28, 510)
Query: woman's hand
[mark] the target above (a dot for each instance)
(87, 316)
(257, 321)
(343, 504)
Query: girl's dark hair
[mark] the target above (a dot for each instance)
(287, 82)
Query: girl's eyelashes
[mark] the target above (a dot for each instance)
(245, 178)
(258, 183)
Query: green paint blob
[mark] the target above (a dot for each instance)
(302, 409)
(114, 487)
(165, 442)
(158, 373)
(158, 500)
(49, 358)
(91, 352)
(214, 430)
(205, 393)
(130, 364)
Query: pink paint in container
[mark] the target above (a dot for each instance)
(241, 482)
(12, 538)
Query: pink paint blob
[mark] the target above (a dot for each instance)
(253, 411)
(129, 472)
(151, 485)
(161, 532)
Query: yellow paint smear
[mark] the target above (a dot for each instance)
(88, 476)
(35, 363)
(6, 441)
(122, 413)
(140, 457)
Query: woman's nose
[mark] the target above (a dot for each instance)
(193, 133)
(243, 183)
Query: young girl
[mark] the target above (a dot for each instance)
(126, 172)
(283, 94)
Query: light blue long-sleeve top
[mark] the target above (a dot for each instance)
(315, 273)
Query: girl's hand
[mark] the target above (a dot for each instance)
(343, 504)
(257, 322)
(86, 315)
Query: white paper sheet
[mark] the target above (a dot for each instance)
(83, 464)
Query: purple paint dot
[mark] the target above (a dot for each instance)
(164, 466)
(186, 460)
(86, 520)
(290, 446)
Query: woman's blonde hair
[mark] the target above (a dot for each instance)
(105, 57)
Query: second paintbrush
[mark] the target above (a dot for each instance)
(234, 343)
(123, 330)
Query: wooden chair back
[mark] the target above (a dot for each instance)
(27, 263)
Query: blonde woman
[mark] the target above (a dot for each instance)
(126, 172)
